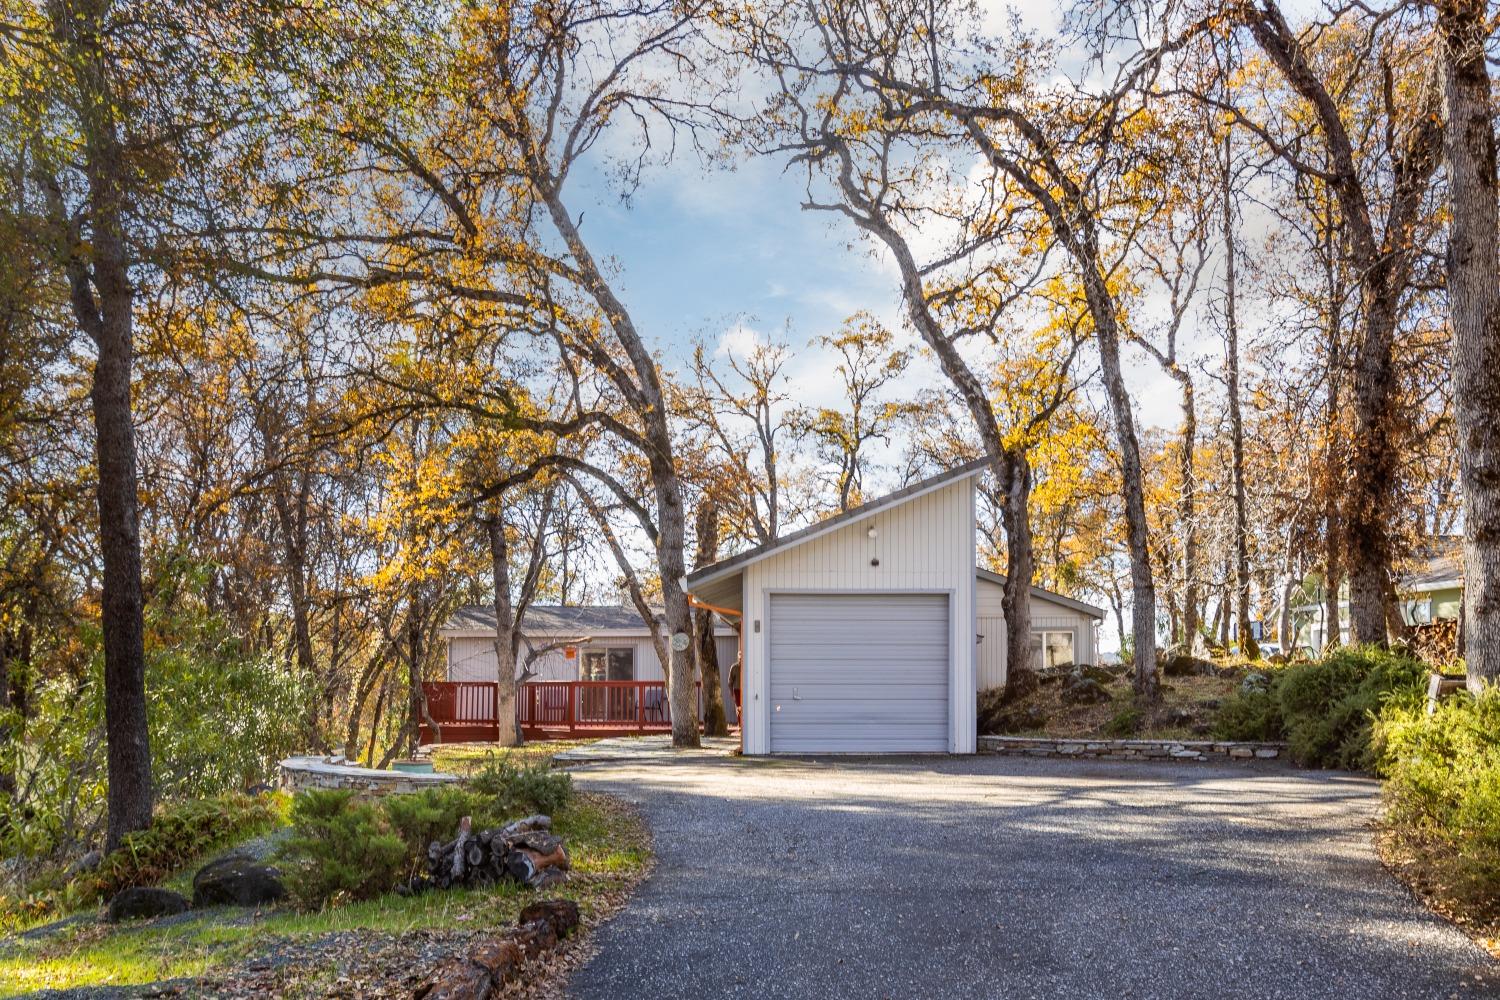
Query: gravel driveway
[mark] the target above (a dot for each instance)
(1016, 878)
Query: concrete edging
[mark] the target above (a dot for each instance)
(298, 773)
(1171, 750)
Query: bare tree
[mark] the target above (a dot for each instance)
(1382, 254)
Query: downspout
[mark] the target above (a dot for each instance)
(740, 708)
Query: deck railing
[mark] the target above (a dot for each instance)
(467, 710)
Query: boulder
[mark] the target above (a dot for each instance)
(142, 903)
(1083, 691)
(1180, 664)
(1094, 673)
(1178, 717)
(1254, 681)
(237, 880)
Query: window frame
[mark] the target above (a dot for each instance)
(1039, 636)
(607, 651)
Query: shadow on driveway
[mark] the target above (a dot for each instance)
(1017, 878)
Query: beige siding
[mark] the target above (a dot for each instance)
(1045, 616)
(923, 545)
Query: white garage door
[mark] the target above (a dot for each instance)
(858, 672)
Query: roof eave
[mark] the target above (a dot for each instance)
(736, 564)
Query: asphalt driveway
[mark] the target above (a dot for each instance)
(1016, 878)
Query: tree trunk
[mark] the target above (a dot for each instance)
(715, 721)
(1020, 567)
(1142, 587)
(103, 302)
(1474, 297)
(291, 516)
(414, 705)
(1367, 516)
(508, 732)
(1248, 645)
(1289, 580)
(681, 690)
(1192, 625)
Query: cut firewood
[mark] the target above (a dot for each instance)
(525, 851)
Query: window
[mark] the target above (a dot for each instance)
(1418, 612)
(614, 664)
(1054, 649)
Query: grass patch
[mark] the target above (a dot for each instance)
(467, 758)
(608, 843)
(1196, 696)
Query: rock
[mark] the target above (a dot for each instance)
(1266, 753)
(238, 881)
(1255, 681)
(87, 863)
(1182, 664)
(1178, 717)
(1094, 673)
(1083, 691)
(998, 715)
(561, 913)
(142, 903)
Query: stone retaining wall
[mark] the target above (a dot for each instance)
(298, 773)
(1026, 746)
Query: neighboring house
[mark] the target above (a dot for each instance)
(575, 644)
(872, 631)
(1430, 588)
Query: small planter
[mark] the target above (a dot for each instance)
(412, 766)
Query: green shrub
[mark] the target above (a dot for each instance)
(514, 790)
(220, 715)
(179, 833)
(341, 849)
(419, 818)
(1443, 788)
(1124, 723)
(1252, 714)
(1329, 706)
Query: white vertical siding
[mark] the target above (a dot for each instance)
(923, 545)
(1045, 615)
(472, 660)
(991, 651)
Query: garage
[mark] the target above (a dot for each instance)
(858, 631)
(859, 673)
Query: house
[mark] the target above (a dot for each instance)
(1430, 587)
(567, 643)
(863, 633)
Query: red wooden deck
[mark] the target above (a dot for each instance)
(466, 711)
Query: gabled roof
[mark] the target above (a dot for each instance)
(567, 620)
(725, 567)
(555, 618)
(1046, 595)
(1437, 565)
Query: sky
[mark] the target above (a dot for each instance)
(726, 255)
